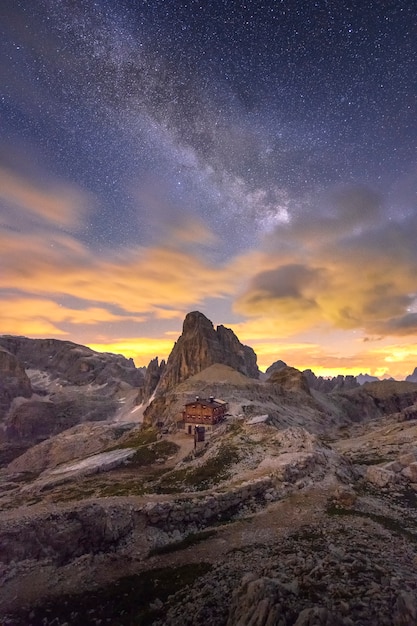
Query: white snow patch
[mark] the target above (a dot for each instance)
(98, 462)
(258, 419)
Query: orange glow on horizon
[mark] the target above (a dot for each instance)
(141, 350)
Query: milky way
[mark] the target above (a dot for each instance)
(254, 126)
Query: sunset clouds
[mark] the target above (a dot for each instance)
(59, 205)
(161, 157)
(341, 272)
(346, 267)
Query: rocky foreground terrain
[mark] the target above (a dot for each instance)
(301, 509)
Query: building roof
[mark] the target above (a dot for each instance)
(204, 402)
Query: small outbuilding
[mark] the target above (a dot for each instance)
(203, 412)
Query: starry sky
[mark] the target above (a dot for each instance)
(253, 160)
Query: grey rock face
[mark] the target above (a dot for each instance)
(412, 378)
(337, 383)
(76, 383)
(275, 367)
(200, 346)
(291, 379)
(71, 362)
(14, 381)
(36, 420)
(154, 371)
(366, 378)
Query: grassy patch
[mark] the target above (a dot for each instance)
(188, 541)
(214, 470)
(389, 523)
(147, 455)
(77, 493)
(138, 438)
(235, 427)
(371, 460)
(133, 488)
(125, 603)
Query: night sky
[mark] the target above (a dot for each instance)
(255, 161)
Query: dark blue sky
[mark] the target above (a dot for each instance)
(243, 119)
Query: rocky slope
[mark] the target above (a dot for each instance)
(309, 540)
(301, 509)
(14, 382)
(48, 386)
(72, 363)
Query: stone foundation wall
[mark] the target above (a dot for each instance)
(111, 525)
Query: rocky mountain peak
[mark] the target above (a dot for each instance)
(153, 375)
(290, 378)
(275, 367)
(412, 378)
(196, 322)
(201, 345)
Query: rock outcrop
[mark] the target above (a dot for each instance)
(200, 346)
(327, 385)
(14, 382)
(275, 367)
(366, 378)
(290, 378)
(154, 371)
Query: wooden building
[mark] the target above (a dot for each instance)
(203, 412)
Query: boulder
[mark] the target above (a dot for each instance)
(410, 472)
(344, 496)
(380, 477)
(259, 602)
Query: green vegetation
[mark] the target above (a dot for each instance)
(148, 449)
(235, 427)
(102, 488)
(136, 439)
(125, 602)
(74, 493)
(188, 541)
(372, 460)
(213, 471)
(147, 455)
(389, 523)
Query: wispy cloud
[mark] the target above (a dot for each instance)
(60, 205)
(155, 281)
